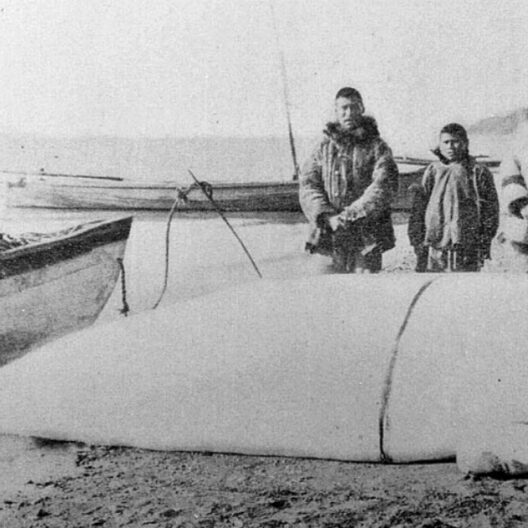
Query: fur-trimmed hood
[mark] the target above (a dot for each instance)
(366, 129)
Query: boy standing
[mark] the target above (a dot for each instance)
(456, 212)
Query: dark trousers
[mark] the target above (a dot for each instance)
(351, 258)
(422, 257)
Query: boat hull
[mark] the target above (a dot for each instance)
(55, 287)
(92, 192)
(63, 194)
(68, 193)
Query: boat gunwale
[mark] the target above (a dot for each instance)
(41, 254)
(131, 184)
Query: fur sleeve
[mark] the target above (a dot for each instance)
(312, 195)
(420, 193)
(489, 204)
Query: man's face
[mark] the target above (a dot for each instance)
(348, 110)
(452, 147)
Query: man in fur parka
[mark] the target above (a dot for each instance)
(346, 188)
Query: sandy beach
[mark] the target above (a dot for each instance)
(75, 485)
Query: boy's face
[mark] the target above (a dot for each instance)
(348, 110)
(452, 147)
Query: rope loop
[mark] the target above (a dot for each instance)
(183, 192)
(207, 189)
(125, 308)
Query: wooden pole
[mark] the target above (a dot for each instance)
(285, 94)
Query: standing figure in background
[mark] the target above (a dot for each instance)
(346, 187)
(416, 225)
(514, 202)
(455, 211)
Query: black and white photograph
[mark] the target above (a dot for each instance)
(264, 263)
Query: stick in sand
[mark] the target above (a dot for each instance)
(209, 196)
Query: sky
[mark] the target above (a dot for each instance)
(212, 67)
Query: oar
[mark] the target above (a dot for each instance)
(58, 175)
(412, 161)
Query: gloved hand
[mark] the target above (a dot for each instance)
(336, 222)
(353, 213)
(343, 220)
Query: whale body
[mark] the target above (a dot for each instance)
(349, 367)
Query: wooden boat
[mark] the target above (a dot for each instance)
(62, 191)
(67, 192)
(54, 283)
(49, 191)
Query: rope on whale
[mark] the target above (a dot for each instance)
(387, 385)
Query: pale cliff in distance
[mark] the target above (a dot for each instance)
(500, 125)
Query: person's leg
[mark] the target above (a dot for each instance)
(422, 256)
(339, 259)
(373, 261)
(369, 263)
(438, 260)
(468, 260)
(345, 253)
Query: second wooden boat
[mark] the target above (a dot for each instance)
(53, 284)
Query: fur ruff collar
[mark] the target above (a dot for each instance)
(366, 129)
